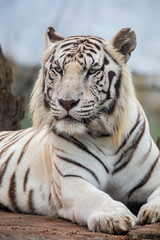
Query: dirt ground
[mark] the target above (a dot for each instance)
(27, 227)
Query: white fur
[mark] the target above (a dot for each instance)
(90, 191)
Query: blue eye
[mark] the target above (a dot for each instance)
(92, 71)
(58, 69)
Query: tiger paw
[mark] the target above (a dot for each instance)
(149, 213)
(114, 223)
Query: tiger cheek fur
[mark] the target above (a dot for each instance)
(90, 152)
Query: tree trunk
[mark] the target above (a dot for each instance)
(11, 108)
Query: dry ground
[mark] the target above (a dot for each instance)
(27, 227)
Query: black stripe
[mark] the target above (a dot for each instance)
(101, 78)
(45, 71)
(130, 133)
(67, 175)
(72, 39)
(85, 63)
(48, 90)
(96, 75)
(145, 157)
(12, 194)
(51, 60)
(2, 136)
(80, 55)
(4, 166)
(50, 77)
(110, 109)
(111, 56)
(84, 38)
(111, 75)
(100, 40)
(90, 55)
(92, 44)
(98, 148)
(24, 149)
(105, 135)
(68, 50)
(117, 86)
(69, 55)
(84, 111)
(66, 45)
(14, 135)
(97, 46)
(5, 208)
(14, 140)
(51, 67)
(83, 148)
(30, 201)
(96, 64)
(91, 50)
(127, 155)
(66, 62)
(46, 101)
(26, 179)
(80, 63)
(145, 178)
(89, 45)
(79, 165)
(106, 61)
(44, 76)
(62, 55)
(94, 90)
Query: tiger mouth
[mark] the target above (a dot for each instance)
(71, 120)
(68, 118)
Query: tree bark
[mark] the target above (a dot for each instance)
(11, 108)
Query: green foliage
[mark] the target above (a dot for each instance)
(26, 121)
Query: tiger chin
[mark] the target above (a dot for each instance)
(90, 153)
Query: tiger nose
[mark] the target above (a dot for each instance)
(68, 104)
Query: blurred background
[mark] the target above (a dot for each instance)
(22, 38)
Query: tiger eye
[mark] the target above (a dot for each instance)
(92, 71)
(58, 69)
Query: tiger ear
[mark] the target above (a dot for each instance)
(124, 42)
(52, 36)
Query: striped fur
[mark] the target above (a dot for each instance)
(90, 152)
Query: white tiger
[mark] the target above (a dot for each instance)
(90, 152)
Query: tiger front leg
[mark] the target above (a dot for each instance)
(83, 203)
(150, 212)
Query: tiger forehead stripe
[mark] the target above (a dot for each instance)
(66, 44)
(94, 44)
(77, 41)
(100, 40)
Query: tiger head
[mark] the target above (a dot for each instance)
(84, 84)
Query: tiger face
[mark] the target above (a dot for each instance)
(82, 79)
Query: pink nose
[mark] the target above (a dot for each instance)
(68, 104)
